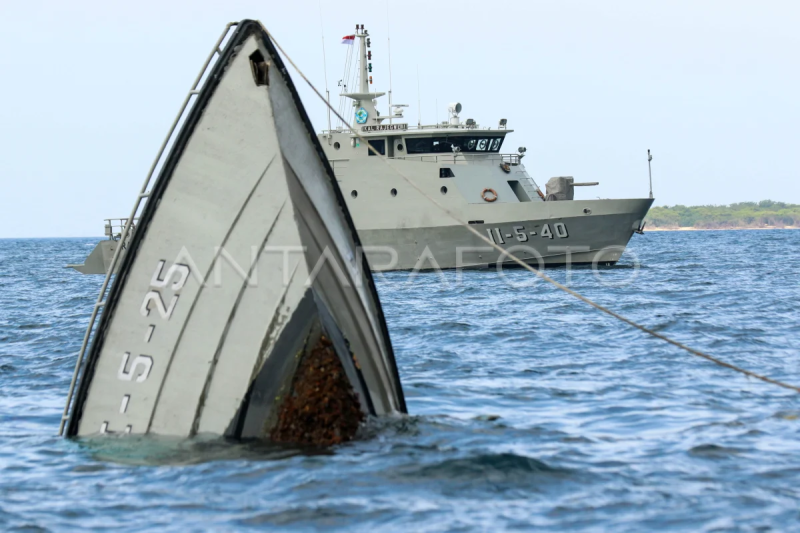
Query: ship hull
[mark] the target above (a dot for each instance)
(564, 240)
(192, 340)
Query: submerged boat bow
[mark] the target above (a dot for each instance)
(241, 306)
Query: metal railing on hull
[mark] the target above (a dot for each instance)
(144, 194)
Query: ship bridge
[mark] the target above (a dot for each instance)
(425, 143)
(400, 141)
(430, 152)
(396, 139)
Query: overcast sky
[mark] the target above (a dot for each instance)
(89, 90)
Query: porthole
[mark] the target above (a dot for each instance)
(587, 211)
(400, 147)
(336, 145)
(354, 193)
(444, 190)
(394, 192)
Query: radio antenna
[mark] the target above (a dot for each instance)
(325, 67)
(419, 100)
(389, 43)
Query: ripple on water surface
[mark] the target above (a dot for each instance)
(529, 409)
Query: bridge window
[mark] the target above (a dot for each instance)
(419, 146)
(445, 145)
(378, 145)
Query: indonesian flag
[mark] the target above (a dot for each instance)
(348, 39)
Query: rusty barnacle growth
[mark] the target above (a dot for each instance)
(321, 408)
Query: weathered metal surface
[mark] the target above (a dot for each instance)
(321, 407)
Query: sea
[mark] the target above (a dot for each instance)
(528, 409)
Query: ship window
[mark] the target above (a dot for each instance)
(378, 145)
(445, 145)
(441, 145)
(336, 145)
(444, 190)
(393, 192)
(419, 146)
(400, 147)
(446, 173)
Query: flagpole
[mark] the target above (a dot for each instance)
(345, 81)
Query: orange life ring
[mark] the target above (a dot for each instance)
(492, 199)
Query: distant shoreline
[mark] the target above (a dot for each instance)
(691, 228)
(762, 215)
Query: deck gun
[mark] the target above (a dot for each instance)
(563, 188)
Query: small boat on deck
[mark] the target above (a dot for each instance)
(240, 307)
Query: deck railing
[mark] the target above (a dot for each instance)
(409, 127)
(512, 159)
(114, 227)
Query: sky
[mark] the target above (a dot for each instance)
(90, 88)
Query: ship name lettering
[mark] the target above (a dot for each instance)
(385, 127)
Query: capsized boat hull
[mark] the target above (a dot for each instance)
(242, 276)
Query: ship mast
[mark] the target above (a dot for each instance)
(363, 83)
(364, 100)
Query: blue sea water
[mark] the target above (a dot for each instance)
(529, 409)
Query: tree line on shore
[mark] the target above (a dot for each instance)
(766, 213)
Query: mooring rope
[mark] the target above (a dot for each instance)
(525, 265)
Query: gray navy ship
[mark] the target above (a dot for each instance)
(462, 165)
